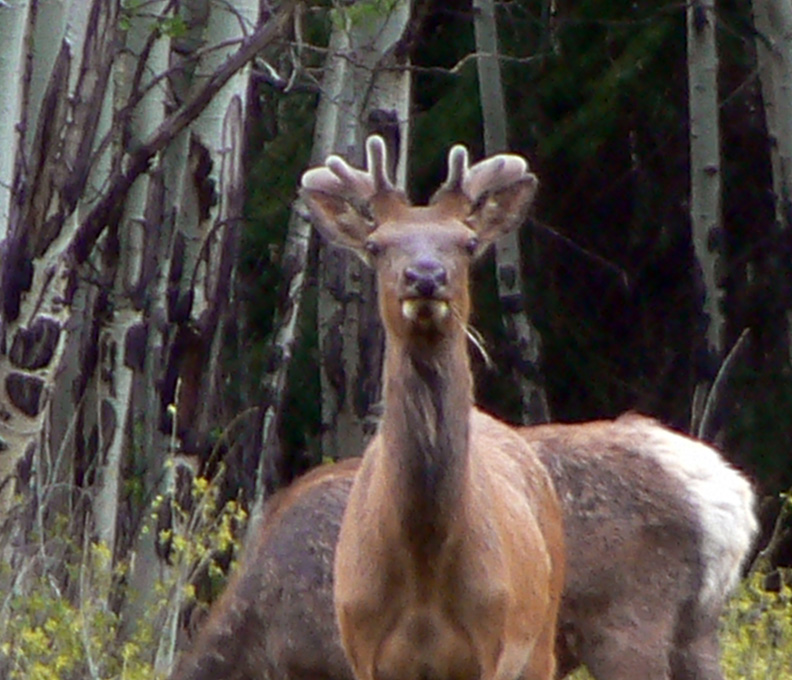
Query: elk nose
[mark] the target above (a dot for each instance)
(425, 277)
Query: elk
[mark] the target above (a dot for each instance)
(633, 606)
(657, 526)
(449, 562)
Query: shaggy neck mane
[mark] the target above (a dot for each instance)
(428, 397)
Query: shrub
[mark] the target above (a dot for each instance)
(60, 620)
(757, 632)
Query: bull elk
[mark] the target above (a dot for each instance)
(657, 527)
(449, 563)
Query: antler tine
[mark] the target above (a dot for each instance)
(339, 178)
(457, 171)
(457, 168)
(322, 179)
(358, 184)
(377, 164)
(465, 186)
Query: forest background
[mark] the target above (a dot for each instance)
(167, 316)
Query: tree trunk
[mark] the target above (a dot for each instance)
(705, 192)
(128, 243)
(189, 270)
(359, 93)
(63, 95)
(120, 208)
(705, 189)
(524, 339)
(14, 23)
(773, 22)
(295, 259)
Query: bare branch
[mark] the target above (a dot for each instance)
(780, 532)
(608, 265)
(137, 94)
(138, 161)
(454, 70)
(713, 396)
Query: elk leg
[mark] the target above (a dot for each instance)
(628, 648)
(696, 654)
(542, 663)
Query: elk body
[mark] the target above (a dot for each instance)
(449, 563)
(275, 617)
(658, 527)
(632, 606)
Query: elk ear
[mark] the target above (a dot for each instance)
(345, 203)
(499, 211)
(334, 212)
(501, 190)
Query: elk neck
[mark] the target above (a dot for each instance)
(428, 399)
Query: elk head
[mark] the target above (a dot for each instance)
(421, 254)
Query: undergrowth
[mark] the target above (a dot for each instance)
(65, 621)
(62, 612)
(757, 632)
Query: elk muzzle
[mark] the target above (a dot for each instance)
(425, 302)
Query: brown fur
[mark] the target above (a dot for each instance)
(628, 605)
(275, 617)
(634, 546)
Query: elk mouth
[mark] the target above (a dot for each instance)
(425, 312)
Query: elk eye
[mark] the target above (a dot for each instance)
(373, 248)
(472, 245)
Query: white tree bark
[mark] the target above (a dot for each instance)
(338, 128)
(60, 115)
(295, 259)
(14, 23)
(212, 249)
(69, 191)
(705, 182)
(355, 86)
(97, 171)
(115, 377)
(522, 335)
(193, 251)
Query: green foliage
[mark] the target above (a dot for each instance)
(58, 621)
(606, 93)
(173, 27)
(363, 13)
(756, 427)
(129, 10)
(273, 175)
(133, 10)
(272, 178)
(48, 635)
(757, 633)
